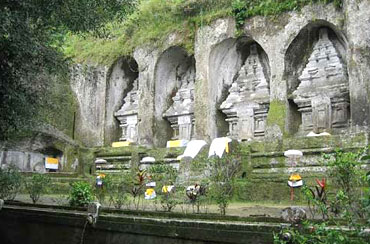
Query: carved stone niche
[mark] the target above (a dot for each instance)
(128, 115)
(323, 94)
(181, 112)
(247, 104)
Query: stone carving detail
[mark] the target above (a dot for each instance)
(247, 104)
(181, 112)
(128, 115)
(323, 94)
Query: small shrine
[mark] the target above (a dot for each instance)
(247, 104)
(128, 115)
(323, 94)
(181, 112)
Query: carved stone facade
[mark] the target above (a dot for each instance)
(323, 93)
(247, 104)
(181, 112)
(128, 115)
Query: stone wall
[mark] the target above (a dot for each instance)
(284, 45)
(31, 225)
(29, 154)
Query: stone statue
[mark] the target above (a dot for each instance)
(247, 104)
(323, 94)
(181, 112)
(127, 115)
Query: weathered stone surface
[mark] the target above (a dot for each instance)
(322, 95)
(246, 106)
(89, 85)
(293, 214)
(287, 41)
(181, 112)
(127, 115)
(120, 81)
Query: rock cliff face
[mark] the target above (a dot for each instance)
(289, 75)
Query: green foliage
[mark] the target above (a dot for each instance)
(153, 20)
(80, 194)
(151, 23)
(165, 175)
(312, 233)
(101, 192)
(344, 169)
(134, 184)
(10, 182)
(223, 172)
(37, 185)
(119, 193)
(30, 36)
(242, 9)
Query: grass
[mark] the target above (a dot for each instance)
(154, 20)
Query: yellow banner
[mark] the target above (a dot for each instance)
(52, 161)
(121, 144)
(177, 143)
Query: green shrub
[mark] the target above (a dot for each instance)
(10, 182)
(347, 201)
(102, 191)
(37, 185)
(222, 179)
(80, 194)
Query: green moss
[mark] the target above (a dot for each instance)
(277, 114)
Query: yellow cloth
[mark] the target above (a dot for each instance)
(295, 177)
(102, 176)
(177, 143)
(227, 146)
(121, 144)
(149, 191)
(52, 160)
(164, 189)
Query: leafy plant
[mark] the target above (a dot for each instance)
(170, 199)
(242, 9)
(10, 182)
(80, 194)
(165, 175)
(119, 193)
(37, 185)
(344, 169)
(223, 172)
(102, 191)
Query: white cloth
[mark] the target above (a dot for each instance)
(193, 148)
(313, 134)
(218, 146)
(148, 160)
(152, 184)
(295, 184)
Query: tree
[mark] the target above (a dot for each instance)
(30, 36)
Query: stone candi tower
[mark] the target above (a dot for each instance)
(128, 115)
(247, 104)
(323, 94)
(181, 113)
